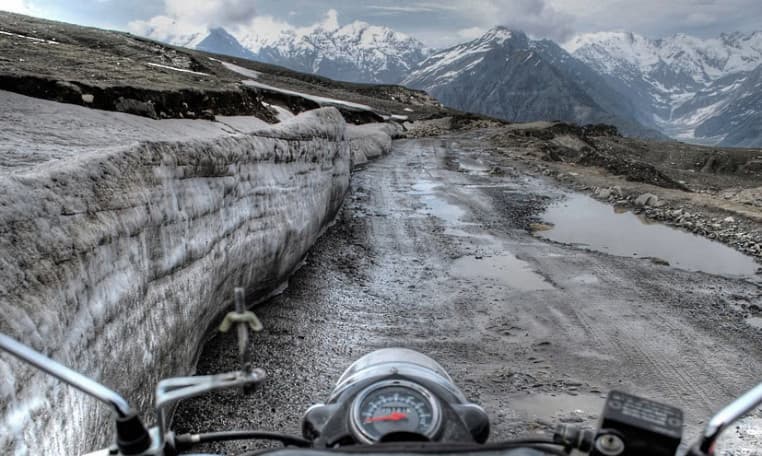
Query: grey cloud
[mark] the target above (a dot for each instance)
(538, 18)
(212, 12)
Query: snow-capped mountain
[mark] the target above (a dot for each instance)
(507, 75)
(685, 86)
(357, 52)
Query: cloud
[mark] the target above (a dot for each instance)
(657, 18)
(418, 8)
(167, 29)
(19, 6)
(537, 18)
(184, 17)
(211, 12)
(471, 33)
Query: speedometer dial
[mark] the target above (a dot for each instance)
(394, 406)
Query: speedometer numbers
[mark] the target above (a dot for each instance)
(394, 406)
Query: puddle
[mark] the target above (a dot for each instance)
(504, 269)
(436, 206)
(549, 407)
(581, 220)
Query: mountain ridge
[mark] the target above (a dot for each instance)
(507, 75)
(684, 86)
(680, 86)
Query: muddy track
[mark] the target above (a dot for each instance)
(431, 252)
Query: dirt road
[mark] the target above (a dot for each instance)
(432, 252)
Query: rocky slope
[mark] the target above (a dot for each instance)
(698, 90)
(507, 75)
(121, 72)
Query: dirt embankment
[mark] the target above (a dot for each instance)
(709, 191)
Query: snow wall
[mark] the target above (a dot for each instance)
(115, 263)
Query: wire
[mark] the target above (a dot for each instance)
(188, 440)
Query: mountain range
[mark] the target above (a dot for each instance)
(696, 90)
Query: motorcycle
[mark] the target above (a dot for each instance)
(389, 402)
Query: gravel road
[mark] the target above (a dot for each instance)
(432, 252)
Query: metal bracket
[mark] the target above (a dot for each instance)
(172, 390)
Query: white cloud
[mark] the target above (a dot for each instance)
(417, 8)
(19, 6)
(167, 29)
(656, 18)
(537, 18)
(211, 12)
(471, 33)
(182, 17)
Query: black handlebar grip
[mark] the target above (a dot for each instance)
(131, 435)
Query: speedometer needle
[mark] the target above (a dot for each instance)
(396, 416)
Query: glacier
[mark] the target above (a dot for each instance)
(123, 238)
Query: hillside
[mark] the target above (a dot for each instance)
(121, 72)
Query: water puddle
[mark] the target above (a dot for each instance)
(505, 269)
(436, 206)
(584, 221)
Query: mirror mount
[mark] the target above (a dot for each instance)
(725, 418)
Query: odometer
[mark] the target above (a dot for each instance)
(394, 406)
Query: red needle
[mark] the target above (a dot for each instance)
(396, 416)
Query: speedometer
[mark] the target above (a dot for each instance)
(394, 406)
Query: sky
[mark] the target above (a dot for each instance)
(438, 23)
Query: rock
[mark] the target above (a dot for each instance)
(729, 220)
(535, 227)
(571, 419)
(604, 193)
(88, 97)
(647, 199)
(659, 261)
(69, 86)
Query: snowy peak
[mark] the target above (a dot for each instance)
(687, 86)
(442, 67)
(357, 51)
(704, 60)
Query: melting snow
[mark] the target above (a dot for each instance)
(323, 101)
(175, 69)
(240, 70)
(39, 40)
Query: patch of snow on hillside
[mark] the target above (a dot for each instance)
(38, 40)
(241, 70)
(323, 101)
(166, 67)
